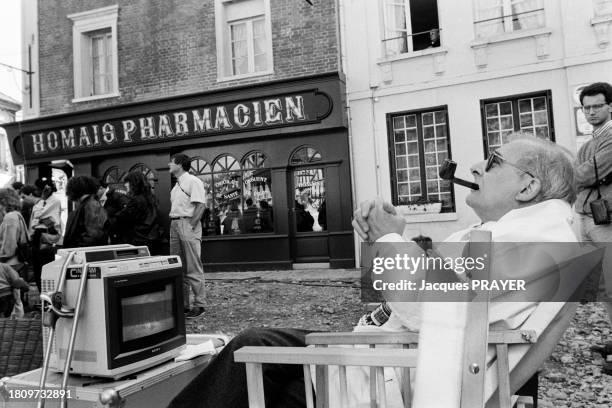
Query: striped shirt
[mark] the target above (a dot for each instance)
(602, 129)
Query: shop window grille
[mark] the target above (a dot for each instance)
(226, 163)
(113, 177)
(254, 160)
(199, 166)
(149, 174)
(305, 155)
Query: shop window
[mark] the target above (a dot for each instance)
(503, 16)
(528, 113)
(149, 174)
(113, 177)
(95, 55)
(257, 194)
(419, 143)
(244, 38)
(309, 191)
(410, 25)
(239, 195)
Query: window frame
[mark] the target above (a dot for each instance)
(515, 114)
(83, 24)
(507, 19)
(408, 31)
(223, 40)
(421, 145)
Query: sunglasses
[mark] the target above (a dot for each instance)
(496, 158)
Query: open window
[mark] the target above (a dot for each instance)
(410, 25)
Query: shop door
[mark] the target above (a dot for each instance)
(308, 215)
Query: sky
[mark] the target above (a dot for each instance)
(10, 48)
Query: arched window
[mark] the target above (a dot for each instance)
(256, 181)
(240, 193)
(201, 169)
(227, 182)
(113, 177)
(305, 155)
(226, 163)
(254, 160)
(148, 173)
(309, 191)
(199, 166)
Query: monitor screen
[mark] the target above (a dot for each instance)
(147, 314)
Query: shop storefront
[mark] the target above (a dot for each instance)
(274, 159)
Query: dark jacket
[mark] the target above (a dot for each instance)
(115, 202)
(138, 221)
(87, 225)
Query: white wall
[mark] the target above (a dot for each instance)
(563, 55)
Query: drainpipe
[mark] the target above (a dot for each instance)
(340, 9)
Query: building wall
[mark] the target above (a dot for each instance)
(167, 48)
(565, 54)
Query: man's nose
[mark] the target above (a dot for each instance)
(478, 169)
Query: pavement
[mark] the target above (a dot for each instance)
(317, 274)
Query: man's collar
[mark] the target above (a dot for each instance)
(602, 129)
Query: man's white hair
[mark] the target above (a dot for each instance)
(548, 162)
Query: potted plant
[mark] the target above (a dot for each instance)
(421, 206)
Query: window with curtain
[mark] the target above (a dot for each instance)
(410, 25)
(419, 143)
(244, 37)
(101, 62)
(494, 17)
(248, 46)
(530, 113)
(95, 55)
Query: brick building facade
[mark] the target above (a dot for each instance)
(252, 90)
(167, 48)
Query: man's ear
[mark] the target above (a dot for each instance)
(529, 191)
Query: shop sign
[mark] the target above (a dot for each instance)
(286, 110)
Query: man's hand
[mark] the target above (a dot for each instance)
(382, 222)
(360, 216)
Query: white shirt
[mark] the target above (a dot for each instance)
(187, 191)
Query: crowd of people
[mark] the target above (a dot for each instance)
(31, 227)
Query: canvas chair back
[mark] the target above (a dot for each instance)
(450, 360)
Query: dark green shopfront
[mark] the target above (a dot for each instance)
(274, 159)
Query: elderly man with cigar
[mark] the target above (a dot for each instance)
(523, 193)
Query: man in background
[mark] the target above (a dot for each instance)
(596, 155)
(188, 198)
(28, 200)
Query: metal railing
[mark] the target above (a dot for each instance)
(409, 44)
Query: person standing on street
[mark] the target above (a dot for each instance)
(594, 181)
(188, 198)
(45, 226)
